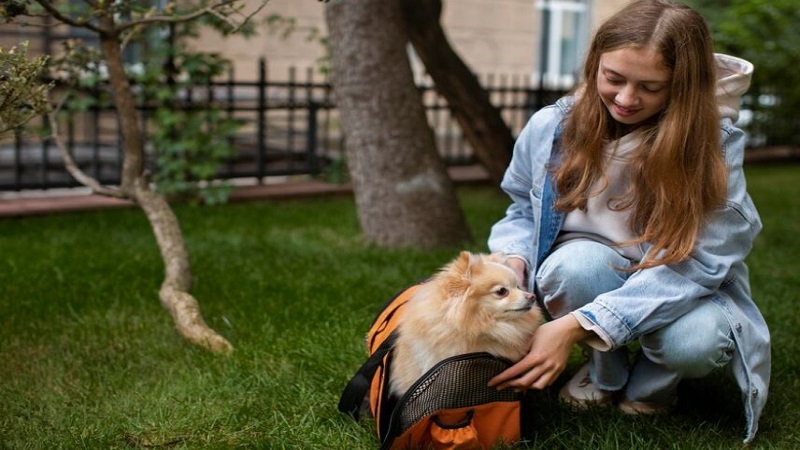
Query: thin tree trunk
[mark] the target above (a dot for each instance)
(125, 104)
(174, 292)
(174, 295)
(402, 190)
(480, 120)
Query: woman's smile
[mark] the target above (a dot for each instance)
(633, 83)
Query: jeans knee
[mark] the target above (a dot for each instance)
(577, 272)
(693, 345)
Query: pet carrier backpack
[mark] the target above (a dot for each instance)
(450, 407)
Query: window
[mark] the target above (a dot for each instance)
(564, 30)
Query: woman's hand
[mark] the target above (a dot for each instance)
(519, 267)
(550, 348)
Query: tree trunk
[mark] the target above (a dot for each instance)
(480, 120)
(402, 190)
(125, 104)
(173, 294)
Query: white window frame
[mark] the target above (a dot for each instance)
(550, 73)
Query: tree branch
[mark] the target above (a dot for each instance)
(210, 10)
(164, 19)
(72, 167)
(53, 11)
(249, 16)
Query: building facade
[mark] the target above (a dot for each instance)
(539, 40)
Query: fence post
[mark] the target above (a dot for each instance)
(262, 118)
(18, 144)
(311, 137)
(312, 128)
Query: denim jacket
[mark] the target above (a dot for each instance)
(651, 297)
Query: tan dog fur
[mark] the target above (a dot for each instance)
(473, 304)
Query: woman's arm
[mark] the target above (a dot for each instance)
(654, 297)
(515, 233)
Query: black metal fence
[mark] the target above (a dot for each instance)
(288, 128)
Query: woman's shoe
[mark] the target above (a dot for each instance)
(582, 393)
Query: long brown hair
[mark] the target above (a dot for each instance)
(678, 173)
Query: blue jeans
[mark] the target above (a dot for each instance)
(691, 346)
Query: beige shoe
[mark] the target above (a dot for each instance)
(633, 408)
(582, 393)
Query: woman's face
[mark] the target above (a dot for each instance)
(633, 84)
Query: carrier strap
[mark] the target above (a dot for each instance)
(358, 387)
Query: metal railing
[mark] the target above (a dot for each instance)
(288, 128)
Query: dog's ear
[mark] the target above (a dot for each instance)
(464, 262)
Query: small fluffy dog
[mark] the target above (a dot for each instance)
(472, 304)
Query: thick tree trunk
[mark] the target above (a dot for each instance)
(481, 122)
(403, 193)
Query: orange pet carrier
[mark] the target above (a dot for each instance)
(450, 407)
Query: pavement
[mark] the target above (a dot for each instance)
(40, 202)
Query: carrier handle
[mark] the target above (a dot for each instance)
(454, 426)
(355, 391)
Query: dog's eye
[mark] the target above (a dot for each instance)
(501, 292)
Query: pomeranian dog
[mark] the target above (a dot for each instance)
(473, 304)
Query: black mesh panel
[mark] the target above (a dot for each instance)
(456, 382)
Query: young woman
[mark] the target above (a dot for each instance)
(631, 222)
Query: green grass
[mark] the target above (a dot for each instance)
(88, 359)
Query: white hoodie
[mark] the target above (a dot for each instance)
(733, 80)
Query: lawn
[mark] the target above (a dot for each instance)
(90, 360)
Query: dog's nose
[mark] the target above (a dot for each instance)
(529, 296)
